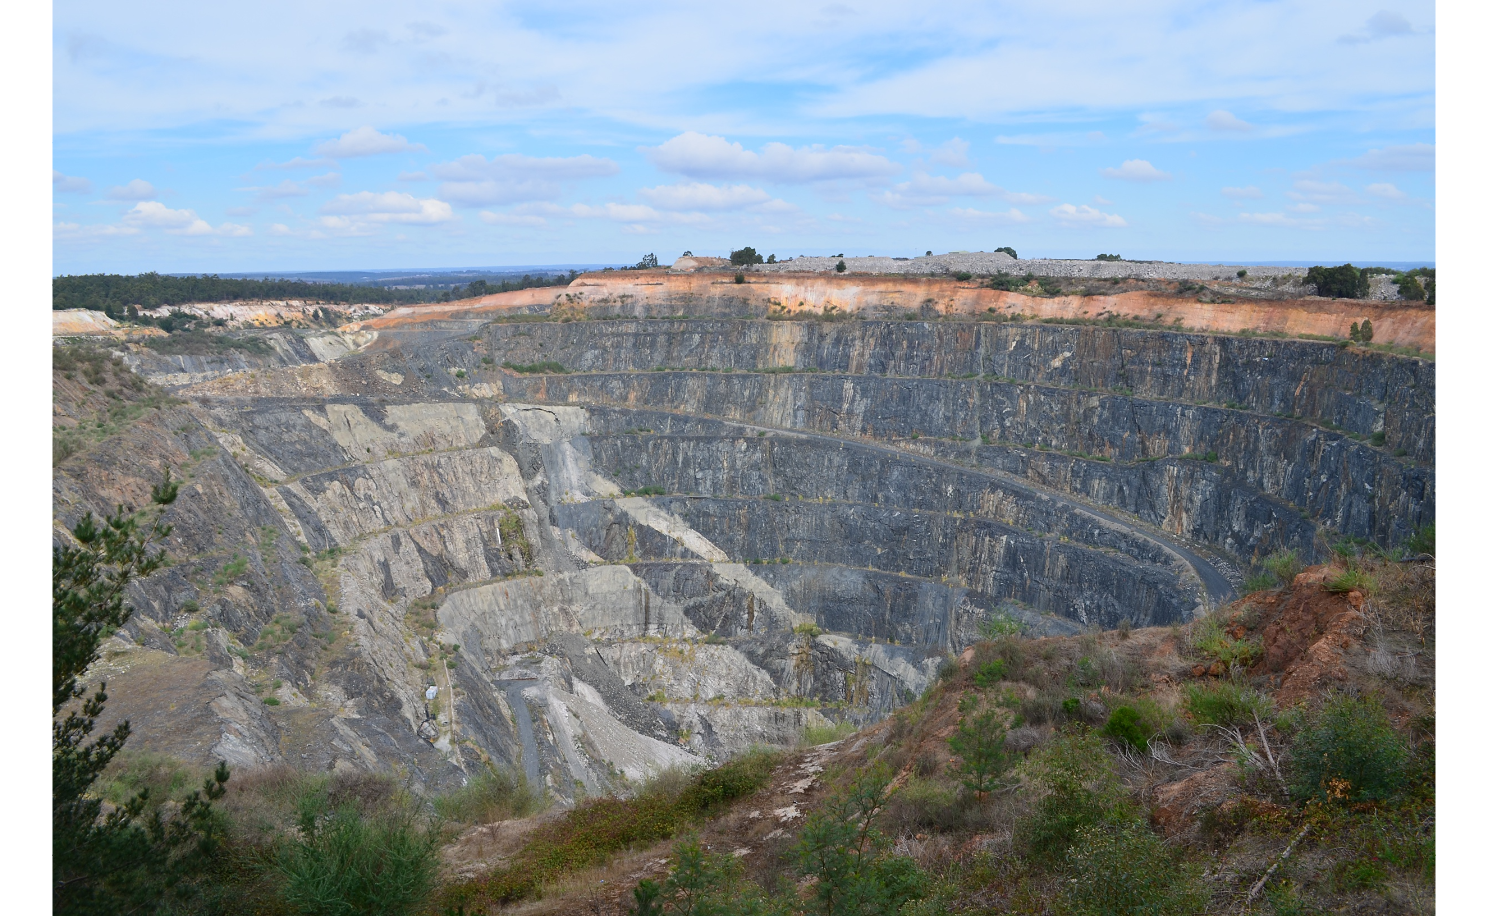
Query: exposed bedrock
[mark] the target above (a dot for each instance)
(1342, 483)
(1355, 390)
(689, 455)
(610, 570)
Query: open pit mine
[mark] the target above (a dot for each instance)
(655, 517)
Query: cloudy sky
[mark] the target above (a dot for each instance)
(330, 135)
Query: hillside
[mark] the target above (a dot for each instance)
(1190, 799)
(526, 552)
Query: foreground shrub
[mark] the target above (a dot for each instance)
(343, 864)
(1121, 870)
(842, 847)
(1129, 726)
(490, 796)
(1225, 703)
(1347, 749)
(1079, 789)
(978, 741)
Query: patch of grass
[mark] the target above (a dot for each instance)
(650, 490)
(592, 833)
(1226, 703)
(826, 734)
(542, 367)
(491, 795)
(202, 343)
(1354, 579)
(1211, 638)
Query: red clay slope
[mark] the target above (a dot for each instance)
(657, 292)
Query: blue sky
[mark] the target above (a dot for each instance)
(373, 135)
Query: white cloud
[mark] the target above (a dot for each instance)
(1323, 192)
(78, 232)
(384, 207)
(70, 184)
(1384, 24)
(475, 181)
(1304, 208)
(1136, 170)
(1084, 215)
(1281, 220)
(1249, 192)
(513, 219)
(138, 189)
(280, 229)
(952, 153)
(704, 156)
(624, 213)
(1222, 120)
(1207, 219)
(413, 176)
(1385, 190)
(297, 162)
(1414, 157)
(695, 195)
(1100, 201)
(924, 190)
(151, 214)
(328, 180)
(285, 188)
(1011, 215)
(365, 141)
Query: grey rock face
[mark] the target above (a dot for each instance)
(615, 570)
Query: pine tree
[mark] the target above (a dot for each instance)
(127, 861)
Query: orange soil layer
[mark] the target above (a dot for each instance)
(1401, 324)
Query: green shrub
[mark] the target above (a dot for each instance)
(347, 865)
(1079, 789)
(1117, 871)
(1225, 703)
(1342, 282)
(739, 278)
(1128, 725)
(963, 276)
(1423, 540)
(842, 848)
(1005, 250)
(978, 741)
(1348, 749)
(841, 267)
(745, 256)
(490, 796)
(989, 673)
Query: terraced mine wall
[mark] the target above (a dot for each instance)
(1314, 434)
(701, 533)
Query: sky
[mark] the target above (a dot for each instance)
(330, 135)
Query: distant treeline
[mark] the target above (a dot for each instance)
(114, 294)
